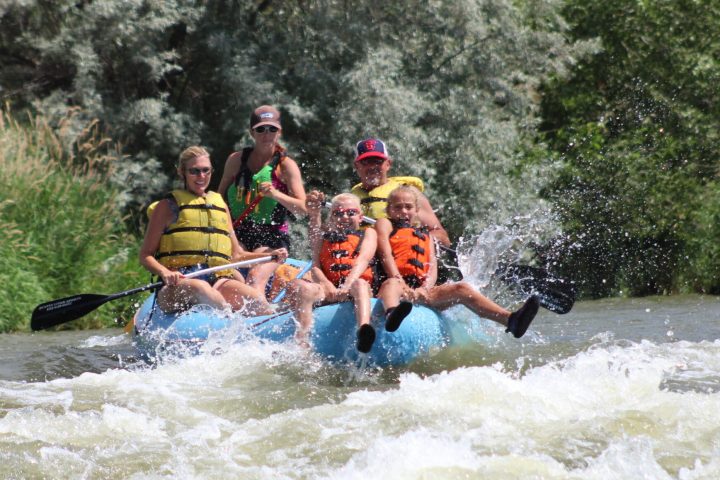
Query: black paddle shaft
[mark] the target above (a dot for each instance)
(53, 313)
(66, 309)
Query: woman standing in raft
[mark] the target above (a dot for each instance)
(189, 230)
(263, 186)
(408, 257)
(341, 258)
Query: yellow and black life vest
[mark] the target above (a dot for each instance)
(338, 253)
(199, 235)
(374, 202)
(411, 251)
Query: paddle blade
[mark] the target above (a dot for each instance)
(53, 313)
(555, 294)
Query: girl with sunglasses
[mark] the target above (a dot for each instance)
(263, 187)
(408, 257)
(189, 230)
(341, 266)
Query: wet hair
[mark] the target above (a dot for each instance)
(190, 153)
(345, 197)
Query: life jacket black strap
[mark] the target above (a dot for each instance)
(202, 207)
(335, 237)
(200, 253)
(400, 224)
(420, 232)
(413, 281)
(416, 263)
(216, 230)
(340, 267)
(372, 200)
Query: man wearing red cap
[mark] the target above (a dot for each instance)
(372, 163)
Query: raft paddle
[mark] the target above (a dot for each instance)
(555, 294)
(60, 311)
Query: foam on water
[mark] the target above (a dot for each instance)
(601, 393)
(617, 409)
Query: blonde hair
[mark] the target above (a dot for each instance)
(189, 154)
(409, 190)
(344, 197)
(405, 189)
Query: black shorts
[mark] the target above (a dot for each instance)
(211, 278)
(255, 235)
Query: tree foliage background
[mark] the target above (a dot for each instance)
(450, 85)
(637, 129)
(602, 117)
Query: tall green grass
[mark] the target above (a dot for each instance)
(61, 231)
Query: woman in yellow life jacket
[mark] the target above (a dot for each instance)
(408, 257)
(190, 229)
(263, 187)
(341, 258)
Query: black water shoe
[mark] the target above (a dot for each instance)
(520, 320)
(395, 315)
(365, 338)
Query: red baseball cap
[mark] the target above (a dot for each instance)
(370, 147)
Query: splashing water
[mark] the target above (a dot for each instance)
(479, 256)
(599, 393)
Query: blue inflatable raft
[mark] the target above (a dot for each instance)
(333, 337)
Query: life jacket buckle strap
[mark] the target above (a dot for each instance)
(416, 263)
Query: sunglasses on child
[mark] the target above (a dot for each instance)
(266, 128)
(197, 171)
(346, 212)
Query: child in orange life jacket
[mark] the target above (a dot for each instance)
(341, 257)
(408, 257)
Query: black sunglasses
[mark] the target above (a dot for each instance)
(266, 128)
(375, 161)
(198, 171)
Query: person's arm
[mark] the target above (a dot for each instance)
(230, 171)
(290, 175)
(430, 220)
(384, 228)
(432, 274)
(314, 204)
(159, 220)
(365, 256)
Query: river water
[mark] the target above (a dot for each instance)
(616, 389)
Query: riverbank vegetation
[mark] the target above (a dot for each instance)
(599, 122)
(637, 128)
(62, 232)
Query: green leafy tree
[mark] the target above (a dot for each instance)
(451, 85)
(636, 128)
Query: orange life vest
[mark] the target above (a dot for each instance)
(411, 251)
(337, 256)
